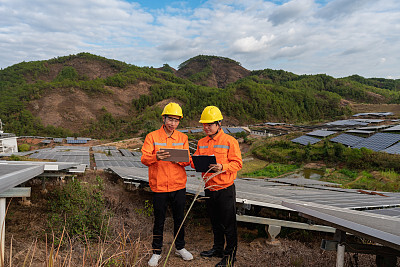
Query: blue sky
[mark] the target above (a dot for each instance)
(335, 37)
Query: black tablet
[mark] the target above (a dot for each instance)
(201, 162)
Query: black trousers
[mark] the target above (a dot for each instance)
(221, 207)
(160, 203)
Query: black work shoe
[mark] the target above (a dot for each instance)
(226, 261)
(212, 253)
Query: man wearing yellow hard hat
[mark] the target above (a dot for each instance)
(220, 190)
(167, 180)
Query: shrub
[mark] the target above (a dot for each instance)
(24, 147)
(79, 208)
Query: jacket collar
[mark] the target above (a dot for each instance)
(217, 136)
(164, 134)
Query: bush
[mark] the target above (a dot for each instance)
(79, 208)
(24, 147)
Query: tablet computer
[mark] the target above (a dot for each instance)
(201, 162)
(178, 155)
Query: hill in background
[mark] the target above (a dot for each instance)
(97, 97)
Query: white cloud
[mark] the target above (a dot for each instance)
(339, 38)
(251, 44)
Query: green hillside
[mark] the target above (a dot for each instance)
(264, 95)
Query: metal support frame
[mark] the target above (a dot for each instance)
(340, 237)
(290, 224)
(385, 256)
(13, 192)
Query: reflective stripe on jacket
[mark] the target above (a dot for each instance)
(164, 176)
(227, 152)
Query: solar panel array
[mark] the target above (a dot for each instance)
(378, 141)
(235, 130)
(76, 141)
(64, 154)
(305, 140)
(347, 123)
(321, 133)
(267, 192)
(196, 130)
(104, 161)
(380, 114)
(58, 140)
(347, 139)
(183, 130)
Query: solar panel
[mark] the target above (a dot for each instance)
(347, 139)
(347, 123)
(183, 130)
(126, 152)
(235, 130)
(196, 130)
(380, 114)
(84, 138)
(58, 140)
(70, 141)
(305, 140)
(395, 149)
(103, 148)
(360, 132)
(393, 212)
(394, 128)
(370, 120)
(376, 127)
(321, 133)
(225, 130)
(137, 154)
(275, 123)
(378, 141)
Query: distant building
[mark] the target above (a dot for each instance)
(8, 142)
(261, 133)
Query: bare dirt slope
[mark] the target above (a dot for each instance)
(221, 72)
(365, 108)
(132, 228)
(73, 108)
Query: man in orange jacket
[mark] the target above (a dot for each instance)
(167, 180)
(220, 190)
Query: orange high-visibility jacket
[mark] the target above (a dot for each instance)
(227, 152)
(164, 176)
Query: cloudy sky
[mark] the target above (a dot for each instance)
(336, 37)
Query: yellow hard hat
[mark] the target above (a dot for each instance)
(211, 114)
(172, 109)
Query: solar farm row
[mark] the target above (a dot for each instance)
(385, 142)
